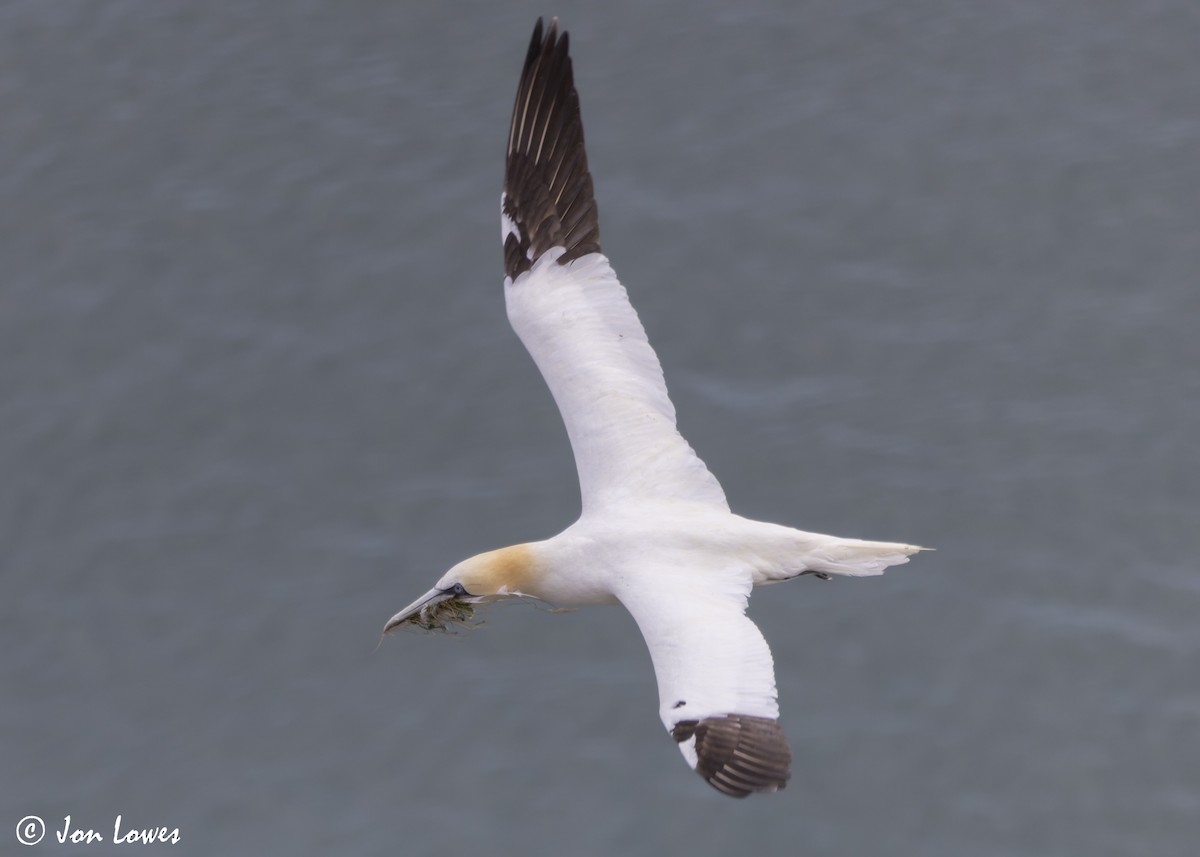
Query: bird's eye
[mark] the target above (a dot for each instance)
(458, 589)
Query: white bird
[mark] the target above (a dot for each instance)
(655, 534)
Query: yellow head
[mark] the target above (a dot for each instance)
(484, 577)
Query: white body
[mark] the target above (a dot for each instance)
(656, 533)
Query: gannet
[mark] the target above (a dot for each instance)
(656, 534)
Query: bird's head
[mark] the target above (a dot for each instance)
(478, 580)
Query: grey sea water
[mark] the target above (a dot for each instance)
(921, 271)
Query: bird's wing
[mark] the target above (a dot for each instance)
(566, 305)
(716, 678)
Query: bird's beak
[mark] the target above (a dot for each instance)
(433, 596)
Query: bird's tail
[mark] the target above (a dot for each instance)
(858, 558)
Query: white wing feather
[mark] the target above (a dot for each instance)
(578, 325)
(709, 658)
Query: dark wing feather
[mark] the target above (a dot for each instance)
(547, 186)
(739, 754)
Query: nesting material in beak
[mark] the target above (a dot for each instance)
(434, 611)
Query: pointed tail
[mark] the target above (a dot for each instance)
(859, 558)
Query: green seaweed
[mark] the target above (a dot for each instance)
(443, 615)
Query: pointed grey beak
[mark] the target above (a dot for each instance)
(431, 597)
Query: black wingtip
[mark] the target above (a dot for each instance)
(739, 754)
(535, 44)
(547, 186)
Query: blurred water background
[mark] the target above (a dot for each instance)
(922, 271)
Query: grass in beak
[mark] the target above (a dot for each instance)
(448, 615)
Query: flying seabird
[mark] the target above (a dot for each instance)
(656, 533)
